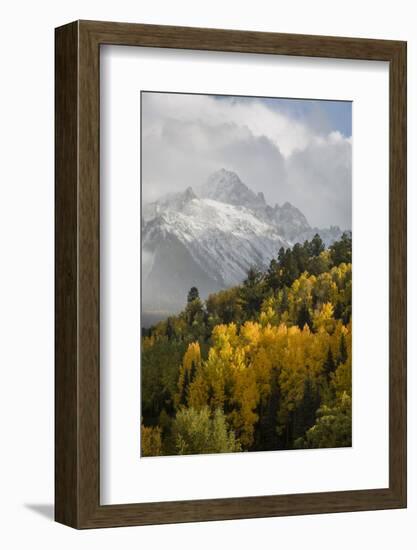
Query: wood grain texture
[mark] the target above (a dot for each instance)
(398, 273)
(66, 238)
(78, 284)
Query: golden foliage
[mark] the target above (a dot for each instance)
(237, 373)
(228, 377)
(151, 444)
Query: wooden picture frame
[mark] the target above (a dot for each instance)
(77, 372)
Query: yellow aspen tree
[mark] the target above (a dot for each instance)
(191, 364)
(151, 444)
(323, 318)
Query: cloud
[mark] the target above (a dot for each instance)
(320, 180)
(287, 157)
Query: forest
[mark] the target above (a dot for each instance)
(265, 365)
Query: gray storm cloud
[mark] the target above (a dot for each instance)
(187, 137)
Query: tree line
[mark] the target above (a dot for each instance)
(265, 365)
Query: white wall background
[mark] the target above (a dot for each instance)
(26, 273)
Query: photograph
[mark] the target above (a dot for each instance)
(246, 279)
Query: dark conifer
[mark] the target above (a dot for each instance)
(193, 294)
(317, 245)
(304, 317)
(305, 414)
(329, 365)
(342, 350)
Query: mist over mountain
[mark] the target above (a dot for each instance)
(209, 236)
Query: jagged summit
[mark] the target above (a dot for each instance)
(226, 186)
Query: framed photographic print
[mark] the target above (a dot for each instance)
(230, 274)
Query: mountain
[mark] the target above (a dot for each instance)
(209, 237)
(225, 186)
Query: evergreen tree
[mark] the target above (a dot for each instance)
(184, 389)
(194, 311)
(317, 245)
(347, 314)
(252, 292)
(273, 275)
(193, 295)
(304, 317)
(193, 370)
(253, 277)
(338, 310)
(266, 437)
(169, 331)
(281, 255)
(300, 255)
(341, 250)
(290, 268)
(305, 414)
(329, 365)
(333, 427)
(283, 304)
(318, 264)
(343, 355)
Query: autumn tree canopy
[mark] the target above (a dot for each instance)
(262, 366)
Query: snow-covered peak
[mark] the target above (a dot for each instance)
(226, 186)
(177, 201)
(290, 218)
(172, 201)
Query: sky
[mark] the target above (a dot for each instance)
(295, 150)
